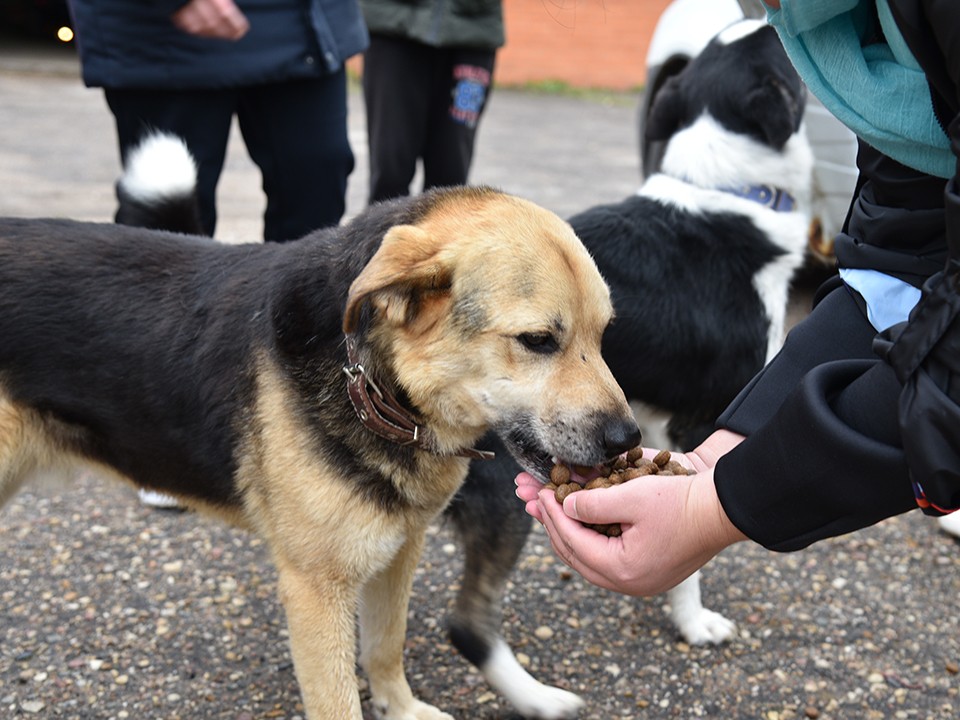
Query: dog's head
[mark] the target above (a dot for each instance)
(490, 312)
(743, 80)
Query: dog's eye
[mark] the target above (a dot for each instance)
(543, 343)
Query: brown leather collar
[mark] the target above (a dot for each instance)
(381, 413)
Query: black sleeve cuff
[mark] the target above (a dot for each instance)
(827, 463)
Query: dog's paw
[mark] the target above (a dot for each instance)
(531, 698)
(950, 524)
(549, 703)
(706, 627)
(415, 710)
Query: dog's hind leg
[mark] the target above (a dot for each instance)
(493, 528)
(698, 625)
(383, 631)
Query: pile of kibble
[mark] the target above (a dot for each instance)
(624, 468)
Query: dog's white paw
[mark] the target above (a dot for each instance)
(549, 703)
(707, 627)
(531, 698)
(416, 710)
(950, 523)
(698, 625)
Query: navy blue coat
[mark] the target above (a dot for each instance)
(134, 44)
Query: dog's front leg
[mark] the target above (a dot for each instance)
(322, 624)
(383, 631)
(697, 624)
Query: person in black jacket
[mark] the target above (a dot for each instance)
(189, 67)
(858, 417)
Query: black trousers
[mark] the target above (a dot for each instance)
(423, 103)
(295, 132)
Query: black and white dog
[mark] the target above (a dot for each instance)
(699, 263)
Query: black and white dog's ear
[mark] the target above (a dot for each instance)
(667, 111)
(777, 110)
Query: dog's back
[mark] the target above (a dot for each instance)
(70, 337)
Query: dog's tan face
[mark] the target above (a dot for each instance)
(493, 312)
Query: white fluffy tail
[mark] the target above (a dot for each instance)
(160, 167)
(158, 187)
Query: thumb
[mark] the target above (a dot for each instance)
(595, 507)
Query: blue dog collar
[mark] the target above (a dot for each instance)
(770, 197)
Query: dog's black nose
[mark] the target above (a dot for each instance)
(620, 436)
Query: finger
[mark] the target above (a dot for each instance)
(601, 506)
(226, 20)
(585, 551)
(236, 23)
(212, 19)
(186, 20)
(532, 509)
(527, 492)
(526, 479)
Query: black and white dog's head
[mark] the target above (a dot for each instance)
(735, 114)
(743, 80)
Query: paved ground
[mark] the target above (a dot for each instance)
(110, 611)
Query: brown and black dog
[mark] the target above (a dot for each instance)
(288, 387)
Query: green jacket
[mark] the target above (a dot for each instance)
(438, 23)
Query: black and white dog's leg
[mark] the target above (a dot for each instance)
(697, 624)
(493, 528)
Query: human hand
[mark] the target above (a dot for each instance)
(671, 525)
(219, 19)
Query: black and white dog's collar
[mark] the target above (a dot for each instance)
(771, 197)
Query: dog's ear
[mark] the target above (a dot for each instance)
(777, 109)
(667, 111)
(401, 275)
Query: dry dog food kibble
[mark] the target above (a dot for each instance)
(621, 470)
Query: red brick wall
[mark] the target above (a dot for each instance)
(584, 43)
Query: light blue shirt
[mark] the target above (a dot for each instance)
(889, 300)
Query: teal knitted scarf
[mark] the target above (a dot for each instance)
(877, 90)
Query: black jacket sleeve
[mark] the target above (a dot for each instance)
(822, 454)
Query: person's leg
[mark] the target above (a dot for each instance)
(396, 91)
(296, 133)
(459, 100)
(201, 117)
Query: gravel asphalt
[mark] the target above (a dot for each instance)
(110, 610)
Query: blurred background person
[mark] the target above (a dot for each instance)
(189, 67)
(426, 79)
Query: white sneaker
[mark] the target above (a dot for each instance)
(155, 499)
(950, 523)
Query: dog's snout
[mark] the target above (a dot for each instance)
(619, 436)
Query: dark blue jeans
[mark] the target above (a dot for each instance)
(295, 131)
